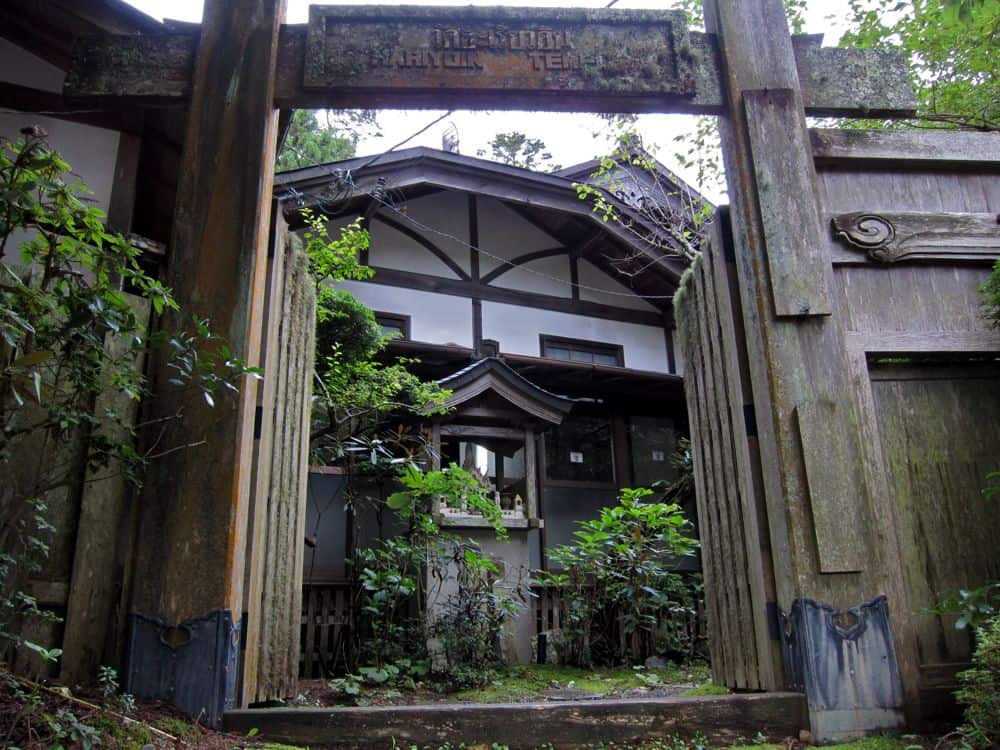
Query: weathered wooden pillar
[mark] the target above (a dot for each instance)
(828, 541)
(184, 637)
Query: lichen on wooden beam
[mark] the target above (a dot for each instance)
(675, 71)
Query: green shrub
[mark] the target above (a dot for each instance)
(617, 580)
(980, 691)
(991, 290)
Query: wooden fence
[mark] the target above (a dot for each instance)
(691, 628)
(327, 620)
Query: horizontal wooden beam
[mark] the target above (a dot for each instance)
(944, 149)
(156, 70)
(50, 104)
(484, 431)
(521, 260)
(473, 290)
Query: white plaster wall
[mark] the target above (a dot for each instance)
(545, 276)
(592, 276)
(518, 328)
(503, 233)
(90, 151)
(434, 318)
(446, 213)
(393, 249)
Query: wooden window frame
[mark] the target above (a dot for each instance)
(585, 345)
(612, 484)
(394, 318)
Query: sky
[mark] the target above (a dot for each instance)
(570, 138)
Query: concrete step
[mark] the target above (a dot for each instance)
(525, 726)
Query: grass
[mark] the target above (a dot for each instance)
(529, 681)
(707, 689)
(182, 729)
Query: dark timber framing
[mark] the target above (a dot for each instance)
(425, 243)
(477, 302)
(413, 172)
(428, 283)
(520, 260)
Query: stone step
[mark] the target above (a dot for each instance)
(524, 726)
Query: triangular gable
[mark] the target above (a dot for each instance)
(493, 375)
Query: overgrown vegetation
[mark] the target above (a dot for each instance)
(401, 574)
(991, 291)
(980, 689)
(618, 580)
(355, 390)
(660, 212)
(950, 47)
(71, 292)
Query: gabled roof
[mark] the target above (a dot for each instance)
(493, 374)
(583, 172)
(413, 168)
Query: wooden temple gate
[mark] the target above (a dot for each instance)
(890, 502)
(788, 501)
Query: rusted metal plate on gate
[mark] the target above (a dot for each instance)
(497, 48)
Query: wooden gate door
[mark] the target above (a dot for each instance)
(276, 539)
(940, 430)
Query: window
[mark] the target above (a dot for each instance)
(653, 441)
(575, 350)
(394, 325)
(579, 450)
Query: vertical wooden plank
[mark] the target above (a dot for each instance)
(327, 610)
(299, 500)
(786, 193)
(750, 493)
(687, 319)
(263, 447)
(531, 472)
(738, 542)
(717, 500)
(276, 532)
(310, 647)
(836, 515)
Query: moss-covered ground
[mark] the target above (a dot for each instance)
(527, 683)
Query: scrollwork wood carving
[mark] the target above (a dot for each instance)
(895, 237)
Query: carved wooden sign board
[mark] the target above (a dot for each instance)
(495, 48)
(546, 59)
